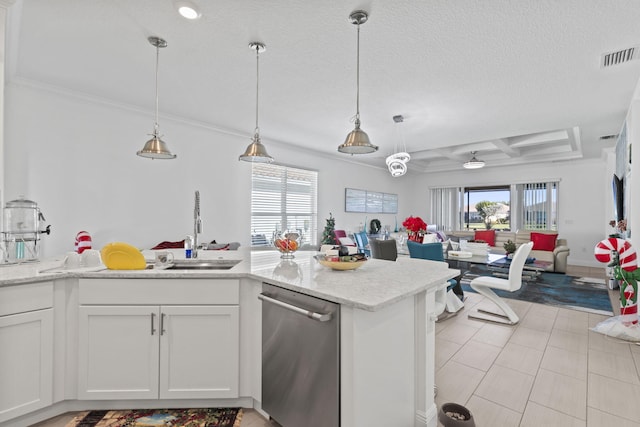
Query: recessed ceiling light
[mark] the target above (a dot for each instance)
(187, 9)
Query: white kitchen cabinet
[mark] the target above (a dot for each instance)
(164, 351)
(118, 353)
(199, 352)
(26, 349)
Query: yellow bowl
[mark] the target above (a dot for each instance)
(122, 256)
(341, 265)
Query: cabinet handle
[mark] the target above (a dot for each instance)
(153, 329)
(162, 331)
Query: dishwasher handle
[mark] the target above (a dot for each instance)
(310, 314)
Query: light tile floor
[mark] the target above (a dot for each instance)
(549, 370)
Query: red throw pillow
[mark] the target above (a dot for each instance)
(488, 236)
(543, 241)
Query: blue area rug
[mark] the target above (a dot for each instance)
(561, 290)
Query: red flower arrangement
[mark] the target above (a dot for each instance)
(414, 224)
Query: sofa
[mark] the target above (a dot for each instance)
(546, 244)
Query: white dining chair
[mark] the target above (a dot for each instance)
(484, 285)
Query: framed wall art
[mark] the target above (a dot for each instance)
(370, 201)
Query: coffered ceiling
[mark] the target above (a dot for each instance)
(516, 81)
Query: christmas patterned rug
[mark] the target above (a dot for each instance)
(202, 417)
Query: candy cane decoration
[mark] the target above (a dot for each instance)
(627, 253)
(625, 268)
(629, 303)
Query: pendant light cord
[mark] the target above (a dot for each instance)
(395, 146)
(155, 128)
(257, 129)
(404, 143)
(358, 78)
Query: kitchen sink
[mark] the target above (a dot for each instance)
(202, 264)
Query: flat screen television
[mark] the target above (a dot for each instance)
(618, 197)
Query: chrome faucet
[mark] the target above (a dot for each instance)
(197, 225)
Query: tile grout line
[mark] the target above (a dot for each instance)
(535, 378)
(605, 411)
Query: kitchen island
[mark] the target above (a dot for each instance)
(387, 312)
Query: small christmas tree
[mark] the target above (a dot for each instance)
(327, 234)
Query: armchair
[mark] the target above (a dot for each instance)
(363, 243)
(384, 249)
(433, 252)
(560, 254)
(337, 234)
(341, 238)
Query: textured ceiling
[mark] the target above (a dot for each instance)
(517, 81)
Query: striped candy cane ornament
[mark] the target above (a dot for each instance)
(626, 253)
(628, 295)
(83, 241)
(625, 268)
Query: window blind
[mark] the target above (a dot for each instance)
(445, 208)
(283, 198)
(534, 206)
(539, 207)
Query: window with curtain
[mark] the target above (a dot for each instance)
(531, 206)
(283, 198)
(539, 205)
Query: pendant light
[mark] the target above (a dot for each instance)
(397, 162)
(473, 163)
(357, 141)
(155, 148)
(256, 152)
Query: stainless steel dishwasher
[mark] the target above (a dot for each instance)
(300, 358)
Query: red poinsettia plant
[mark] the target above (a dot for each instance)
(414, 224)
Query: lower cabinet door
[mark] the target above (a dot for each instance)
(26, 363)
(118, 352)
(199, 352)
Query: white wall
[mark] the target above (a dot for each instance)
(633, 134)
(584, 200)
(76, 158)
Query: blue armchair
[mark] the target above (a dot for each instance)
(430, 251)
(433, 252)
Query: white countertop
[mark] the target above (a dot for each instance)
(376, 284)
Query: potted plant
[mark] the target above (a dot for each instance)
(509, 248)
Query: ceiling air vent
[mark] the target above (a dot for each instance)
(619, 57)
